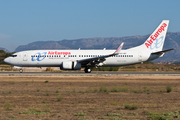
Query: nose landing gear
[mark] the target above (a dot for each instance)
(20, 70)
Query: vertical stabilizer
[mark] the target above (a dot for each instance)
(156, 40)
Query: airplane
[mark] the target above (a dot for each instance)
(76, 59)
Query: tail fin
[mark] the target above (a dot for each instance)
(155, 41)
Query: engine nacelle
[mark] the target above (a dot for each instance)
(70, 65)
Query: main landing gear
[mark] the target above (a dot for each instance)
(87, 70)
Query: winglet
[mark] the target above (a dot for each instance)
(119, 49)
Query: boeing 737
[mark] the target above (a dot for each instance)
(77, 59)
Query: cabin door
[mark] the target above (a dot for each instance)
(24, 56)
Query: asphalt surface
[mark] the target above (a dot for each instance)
(92, 73)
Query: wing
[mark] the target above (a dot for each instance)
(96, 60)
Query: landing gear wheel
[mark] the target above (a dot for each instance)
(87, 70)
(20, 70)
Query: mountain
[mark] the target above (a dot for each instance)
(172, 41)
(4, 49)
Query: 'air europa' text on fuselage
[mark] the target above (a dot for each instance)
(58, 53)
(153, 37)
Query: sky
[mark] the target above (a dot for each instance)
(26, 21)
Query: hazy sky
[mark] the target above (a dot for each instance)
(25, 21)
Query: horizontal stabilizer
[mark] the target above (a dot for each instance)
(164, 51)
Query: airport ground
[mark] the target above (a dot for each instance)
(148, 67)
(89, 97)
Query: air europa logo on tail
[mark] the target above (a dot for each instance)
(153, 37)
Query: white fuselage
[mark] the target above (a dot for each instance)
(55, 58)
(76, 59)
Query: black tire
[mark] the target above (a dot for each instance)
(87, 70)
(20, 70)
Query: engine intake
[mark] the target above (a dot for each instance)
(70, 65)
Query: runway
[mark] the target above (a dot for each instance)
(92, 73)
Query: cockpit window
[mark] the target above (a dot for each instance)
(13, 55)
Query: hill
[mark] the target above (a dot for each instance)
(172, 41)
(4, 49)
(3, 55)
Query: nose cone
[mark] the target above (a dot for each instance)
(7, 60)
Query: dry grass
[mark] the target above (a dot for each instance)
(29, 97)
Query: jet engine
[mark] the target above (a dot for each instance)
(70, 65)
